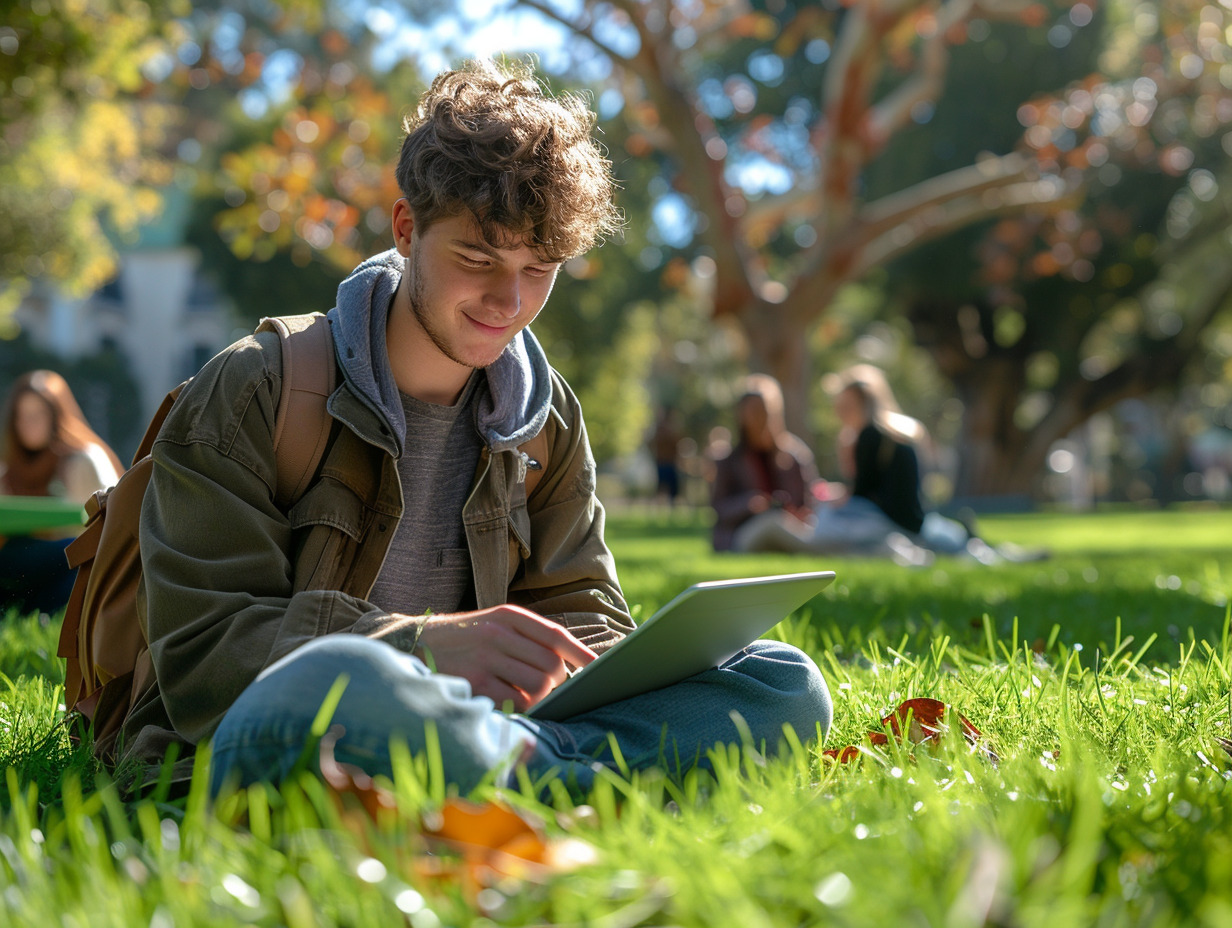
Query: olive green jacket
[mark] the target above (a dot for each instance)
(231, 583)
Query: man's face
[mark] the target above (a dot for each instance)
(469, 298)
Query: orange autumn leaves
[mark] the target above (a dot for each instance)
(465, 844)
(473, 846)
(924, 722)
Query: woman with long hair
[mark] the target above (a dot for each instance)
(762, 488)
(49, 450)
(879, 450)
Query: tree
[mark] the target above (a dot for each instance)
(704, 84)
(1043, 322)
(81, 137)
(771, 171)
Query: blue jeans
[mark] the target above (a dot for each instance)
(391, 695)
(943, 535)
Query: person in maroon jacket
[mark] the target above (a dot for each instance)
(763, 487)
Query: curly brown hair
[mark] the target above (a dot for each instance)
(486, 139)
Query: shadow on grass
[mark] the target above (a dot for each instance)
(1163, 574)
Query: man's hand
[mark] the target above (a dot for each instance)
(507, 653)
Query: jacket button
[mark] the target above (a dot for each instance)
(382, 526)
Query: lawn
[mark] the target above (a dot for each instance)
(1097, 793)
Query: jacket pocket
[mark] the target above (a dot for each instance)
(326, 525)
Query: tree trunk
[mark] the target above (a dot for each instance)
(993, 457)
(778, 348)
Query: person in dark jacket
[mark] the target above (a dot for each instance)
(882, 511)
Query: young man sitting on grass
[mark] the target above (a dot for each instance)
(416, 569)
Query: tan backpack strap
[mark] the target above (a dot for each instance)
(537, 451)
(301, 422)
(81, 552)
(156, 423)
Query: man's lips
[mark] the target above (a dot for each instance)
(487, 328)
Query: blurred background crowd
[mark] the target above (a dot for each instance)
(1018, 211)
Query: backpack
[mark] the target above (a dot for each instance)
(103, 639)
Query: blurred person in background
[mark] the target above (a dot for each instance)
(876, 511)
(879, 451)
(877, 456)
(665, 438)
(49, 450)
(763, 486)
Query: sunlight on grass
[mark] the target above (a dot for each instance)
(1101, 678)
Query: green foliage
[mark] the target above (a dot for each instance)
(1108, 805)
(79, 143)
(28, 647)
(998, 69)
(256, 287)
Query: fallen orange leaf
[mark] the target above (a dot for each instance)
(925, 722)
(494, 837)
(487, 824)
(491, 840)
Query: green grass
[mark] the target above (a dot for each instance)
(1101, 677)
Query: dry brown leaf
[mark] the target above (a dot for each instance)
(925, 722)
(470, 845)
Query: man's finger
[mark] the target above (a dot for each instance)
(557, 638)
(530, 680)
(531, 651)
(501, 693)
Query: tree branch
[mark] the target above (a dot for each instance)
(584, 31)
(893, 209)
(973, 180)
(894, 111)
(933, 221)
(850, 79)
(637, 18)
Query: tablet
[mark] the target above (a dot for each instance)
(699, 629)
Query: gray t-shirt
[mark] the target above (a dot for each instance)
(428, 566)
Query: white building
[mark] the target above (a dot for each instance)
(159, 312)
(163, 316)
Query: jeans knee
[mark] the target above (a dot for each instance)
(802, 695)
(267, 729)
(286, 697)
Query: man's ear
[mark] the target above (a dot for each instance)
(403, 226)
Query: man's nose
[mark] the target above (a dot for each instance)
(504, 295)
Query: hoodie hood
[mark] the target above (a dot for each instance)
(518, 396)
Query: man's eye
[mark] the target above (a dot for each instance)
(473, 262)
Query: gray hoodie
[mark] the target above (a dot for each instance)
(519, 396)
